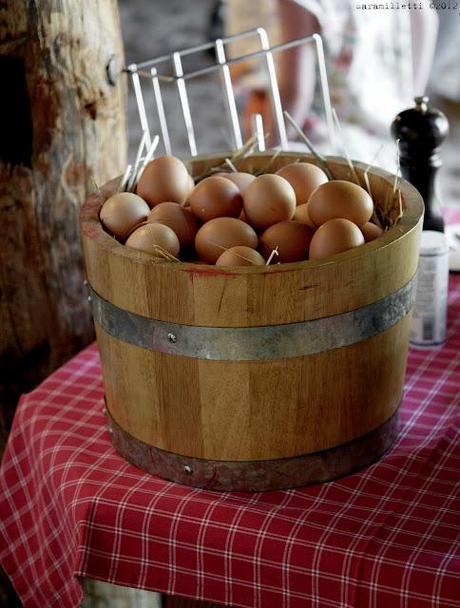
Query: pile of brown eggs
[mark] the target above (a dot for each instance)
(238, 219)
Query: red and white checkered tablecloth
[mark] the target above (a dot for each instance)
(386, 537)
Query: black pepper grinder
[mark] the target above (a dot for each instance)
(421, 131)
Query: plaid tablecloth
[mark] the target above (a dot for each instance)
(386, 537)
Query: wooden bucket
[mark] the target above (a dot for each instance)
(255, 378)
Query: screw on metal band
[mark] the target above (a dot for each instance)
(256, 475)
(254, 343)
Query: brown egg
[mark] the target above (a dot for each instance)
(240, 179)
(222, 233)
(335, 236)
(240, 256)
(242, 216)
(152, 235)
(269, 199)
(215, 197)
(292, 239)
(301, 215)
(164, 179)
(371, 231)
(339, 198)
(181, 220)
(135, 228)
(191, 185)
(121, 212)
(304, 178)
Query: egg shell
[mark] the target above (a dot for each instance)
(269, 199)
(339, 198)
(239, 178)
(191, 182)
(292, 239)
(301, 215)
(181, 220)
(164, 179)
(121, 212)
(152, 235)
(240, 256)
(304, 178)
(135, 228)
(242, 216)
(215, 197)
(222, 233)
(335, 236)
(371, 231)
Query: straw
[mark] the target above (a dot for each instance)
(241, 153)
(124, 180)
(366, 170)
(272, 255)
(234, 252)
(266, 167)
(231, 165)
(148, 157)
(140, 149)
(157, 249)
(343, 146)
(319, 157)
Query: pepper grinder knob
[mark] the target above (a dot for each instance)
(421, 131)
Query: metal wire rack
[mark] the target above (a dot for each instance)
(146, 75)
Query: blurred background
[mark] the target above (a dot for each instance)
(48, 316)
(152, 29)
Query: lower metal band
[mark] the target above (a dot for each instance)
(254, 343)
(257, 475)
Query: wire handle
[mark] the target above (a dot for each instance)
(148, 70)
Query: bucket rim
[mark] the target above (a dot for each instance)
(413, 212)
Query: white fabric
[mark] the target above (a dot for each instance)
(445, 75)
(369, 59)
(369, 66)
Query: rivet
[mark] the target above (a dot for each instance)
(90, 299)
(85, 283)
(172, 338)
(188, 469)
(112, 70)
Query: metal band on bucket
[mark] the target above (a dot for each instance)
(257, 475)
(254, 343)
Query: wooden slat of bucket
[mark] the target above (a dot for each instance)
(251, 297)
(254, 410)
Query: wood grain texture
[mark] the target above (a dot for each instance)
(256, 410)
(223, 410)
(195, 294)
(63, 126)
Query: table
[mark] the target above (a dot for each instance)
(70, 507)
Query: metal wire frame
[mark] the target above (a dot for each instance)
(149, 70)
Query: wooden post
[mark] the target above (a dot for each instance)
(62, 117)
